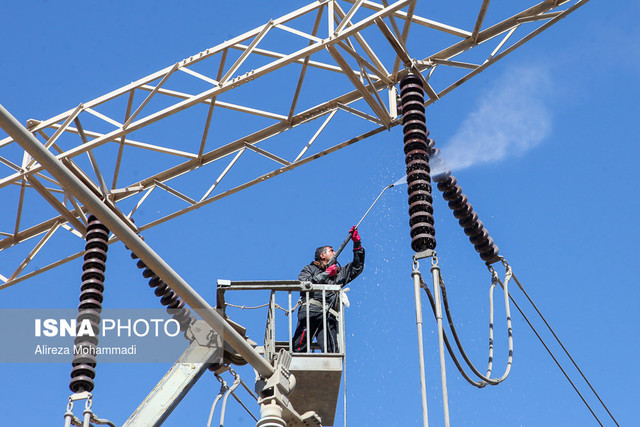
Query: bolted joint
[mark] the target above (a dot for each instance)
(203, 334)
(281, 383)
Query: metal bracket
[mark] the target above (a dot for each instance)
(494, 260)
(177, 382)
(278, 387)
(80, 396)
(424, 254)
(204, 335)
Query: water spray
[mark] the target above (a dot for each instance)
(401, 181)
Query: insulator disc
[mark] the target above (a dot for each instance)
(91, 293)
(418, 185)
(84, 354)
(464, 211)
(411, 82)
(92, 263)
(94, 253)
(445, 184)
(168, 298)
(413, 114)
(176, 306)
(412, 101)
(422, 228)
(93, 316)
(92, 284)
(81, 383)
(417, 177)
(89, 303)
(180, 315)
(469, 221)
(86, 370)
(161, 289)
(458, 202)
(420, 206)
(415, 155)
(97, 233)
(414, 124)
(415, 145)
(485, 245)
(96, 243)
(92, 218)
(155, 281)
(88, 339)
(418, 164)
(451, 193)
(479, 238)
(420, 217)
(420, 134)
(490, 254)
(422, 242)
(411, 93)
(475, 229)
(420, 196)
(93, 273)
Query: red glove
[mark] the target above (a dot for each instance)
(355, 236)
(332, 270)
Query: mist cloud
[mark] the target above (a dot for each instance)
(511, 118)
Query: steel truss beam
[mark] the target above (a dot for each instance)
(337, 43)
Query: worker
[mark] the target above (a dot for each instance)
(319, 273)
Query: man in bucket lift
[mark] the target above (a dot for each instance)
(318, 272)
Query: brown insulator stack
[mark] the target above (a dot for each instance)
(467, 218)
(417, 160)
(90, 307)
(175, 305)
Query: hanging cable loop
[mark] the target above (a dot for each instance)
(223, 389)
(485, 378)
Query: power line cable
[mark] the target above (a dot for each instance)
(565, 349)
(484, 383)
(554, 359)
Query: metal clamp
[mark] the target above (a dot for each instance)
(424, 254)
(203, 334)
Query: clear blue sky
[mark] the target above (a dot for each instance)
(560, 201)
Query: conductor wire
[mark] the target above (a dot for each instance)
(554, 359)
(563, 348)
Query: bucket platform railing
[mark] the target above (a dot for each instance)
(317, 374)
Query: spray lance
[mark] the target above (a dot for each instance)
(332, 261)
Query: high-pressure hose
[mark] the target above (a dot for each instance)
(355, 227)
(417, 161)
(90, 307)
